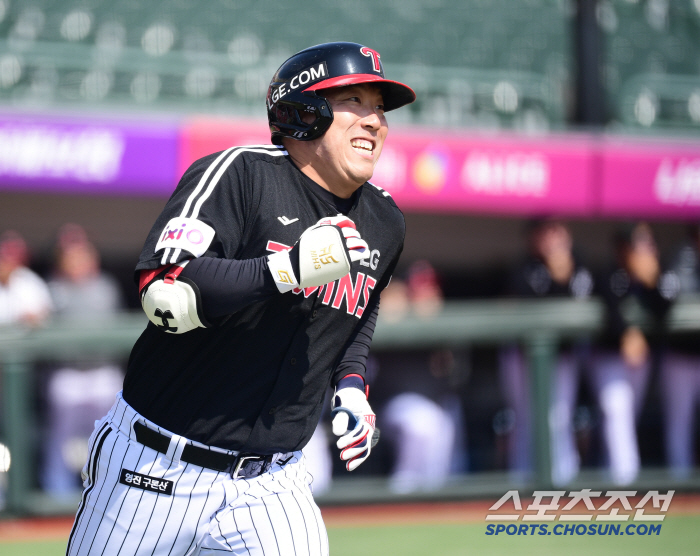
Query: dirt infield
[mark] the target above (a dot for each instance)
(35, 529)
(341, 516)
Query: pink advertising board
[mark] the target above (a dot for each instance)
(650, 179)
(459, 173)
(441, 172)
(577, 175)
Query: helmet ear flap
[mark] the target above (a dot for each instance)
(289, 121)
(324, 119)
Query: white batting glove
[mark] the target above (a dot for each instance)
(325, 252)
(355, 422)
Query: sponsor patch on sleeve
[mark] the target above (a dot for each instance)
(188, 234)
(144, 482)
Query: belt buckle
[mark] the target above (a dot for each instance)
(242, 459)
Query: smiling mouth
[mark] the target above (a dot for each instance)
(362, 146)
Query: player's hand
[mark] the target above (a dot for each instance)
(324, 253)
(357, 248)
(355, 422)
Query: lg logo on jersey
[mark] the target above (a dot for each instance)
(372, 261)
(334, 293)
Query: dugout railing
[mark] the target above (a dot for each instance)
(538, 325)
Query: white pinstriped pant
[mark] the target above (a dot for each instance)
(207, 513)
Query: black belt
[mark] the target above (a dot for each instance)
(239, 465)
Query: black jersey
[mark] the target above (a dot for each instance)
(618, 289)
(256, 381)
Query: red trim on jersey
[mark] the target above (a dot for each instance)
(276, 247)
(147, 276)
(173, 273)
(355, 374)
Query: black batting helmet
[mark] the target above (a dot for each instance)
(295, 87)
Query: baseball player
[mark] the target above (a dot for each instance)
(622, 363)
(261, 279)
(552, 270)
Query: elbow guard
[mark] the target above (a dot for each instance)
(173, 304)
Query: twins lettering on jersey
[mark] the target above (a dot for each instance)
(334, 293)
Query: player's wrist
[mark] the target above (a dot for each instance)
(351, 381)
(283, 269)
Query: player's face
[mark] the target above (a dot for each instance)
(349, 150)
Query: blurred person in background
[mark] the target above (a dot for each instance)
(24, 301)
(24, 297)
(83, 390)
(422, 413)
(623, 362)
(552, 270)
(680, 369)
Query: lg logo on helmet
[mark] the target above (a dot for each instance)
(375, 58)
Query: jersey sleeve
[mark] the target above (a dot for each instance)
(354, 360)
(204, 216)
(228, 285)
(354, 357)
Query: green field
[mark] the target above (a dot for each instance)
(679, 536)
